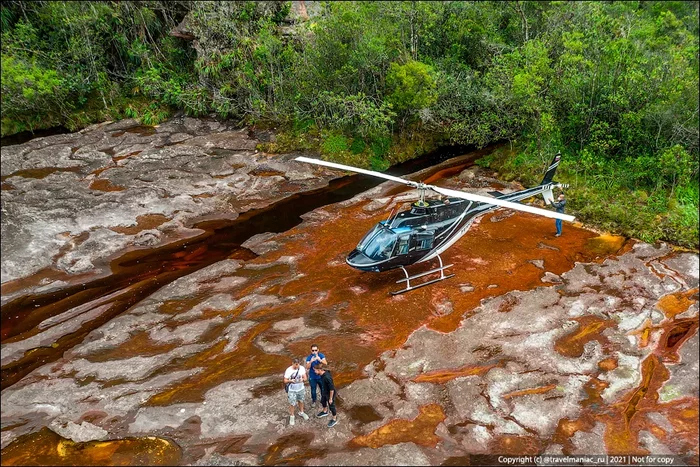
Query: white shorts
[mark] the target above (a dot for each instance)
(296, 396)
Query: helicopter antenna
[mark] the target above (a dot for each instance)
(391, 214)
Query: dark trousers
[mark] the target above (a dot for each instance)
(314, 382)
(324, 403)
(558, 223)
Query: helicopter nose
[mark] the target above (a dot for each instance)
(359, 260)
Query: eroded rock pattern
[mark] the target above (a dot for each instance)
(579, 344)
(70, 201)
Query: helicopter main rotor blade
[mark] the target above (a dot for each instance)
(444, 191)
(355, 169)
(502, 203)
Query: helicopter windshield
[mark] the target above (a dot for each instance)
(379, 246)
(366, 239)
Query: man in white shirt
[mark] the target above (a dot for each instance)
(294, 378)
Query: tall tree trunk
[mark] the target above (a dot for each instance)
(414, 39)
(523, 20)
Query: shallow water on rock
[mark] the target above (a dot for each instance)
(47, 448)
(145, 270)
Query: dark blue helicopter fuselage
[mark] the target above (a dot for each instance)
(423, 232)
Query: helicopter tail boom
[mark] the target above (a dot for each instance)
(551, 170)
(502, 203)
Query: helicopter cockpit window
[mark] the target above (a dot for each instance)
(381, 245)
(365, 240)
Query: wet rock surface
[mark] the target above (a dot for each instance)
(71, 201)
(580, 344)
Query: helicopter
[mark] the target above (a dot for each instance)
(430, 227)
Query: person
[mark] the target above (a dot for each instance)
(312, 360)
(559, 206)
(328, 394)
(294, 378)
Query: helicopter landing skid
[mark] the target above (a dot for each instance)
(408, 278)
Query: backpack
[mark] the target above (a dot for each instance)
(286, 385)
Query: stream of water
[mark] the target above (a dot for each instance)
(143, 272)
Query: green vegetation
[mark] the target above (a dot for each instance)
(613, 85)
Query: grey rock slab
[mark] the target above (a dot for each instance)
(651, 443)
(227, 410)
(188, 333)
(232, 140)
(374, 391)
(394, 454)
(228, 459)
(422, 393)
(590, 442)
(234, 332)
(578, 280)
(256, 302)
(217, 302)
(52, 156)
(689, 313)
(114, 333)
(130, 369)
(184, 180)
(470, 403)
(79, 433)
(14, 351)
(475, 439)
(686, 265)
(62, 396)
(102, 243)
(114, 126)
(150, 419)
(261, 243)
(7, 437)
(660, 420)
(190, 284)
(534, 411)
(684, 374)
(647, 251)
(293, 329)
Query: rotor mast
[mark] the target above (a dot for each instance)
(421, 203)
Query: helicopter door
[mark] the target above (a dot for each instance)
(402, 245)
(423, 241)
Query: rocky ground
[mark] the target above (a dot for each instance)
(70, 202)
(581, 344)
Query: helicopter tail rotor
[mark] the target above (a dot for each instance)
(548, 195)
